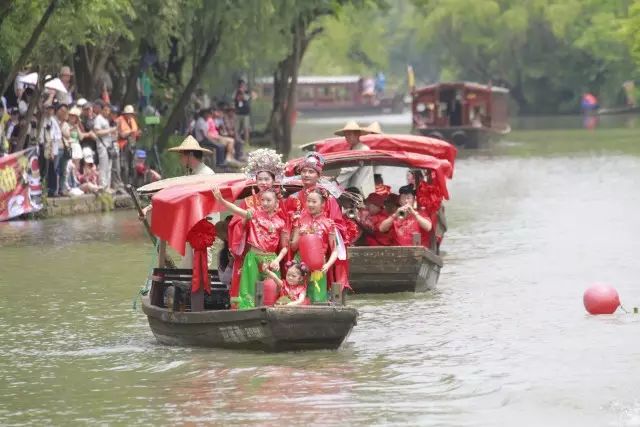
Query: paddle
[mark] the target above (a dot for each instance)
(136, 201)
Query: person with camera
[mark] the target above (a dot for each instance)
(406, 221)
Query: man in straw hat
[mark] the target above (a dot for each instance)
(359, 177)
(191, 157)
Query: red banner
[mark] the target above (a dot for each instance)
(20, 188)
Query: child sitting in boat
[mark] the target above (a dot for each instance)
(314, 221)
(266, 234)
(293, 290)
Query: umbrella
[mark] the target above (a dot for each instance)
(32, 80)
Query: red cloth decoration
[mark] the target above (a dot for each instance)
(200, 237)
(352, 232)
(178, 208)
(429, 197)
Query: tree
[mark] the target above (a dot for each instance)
(26, 50)
(305, 26)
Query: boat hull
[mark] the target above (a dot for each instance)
(462, 137)
(261, 329)
(388, 269)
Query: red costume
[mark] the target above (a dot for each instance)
(403, 230)
(293, 292)
(377, 237)
(296, 204)
(238, 237)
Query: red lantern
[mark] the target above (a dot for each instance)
(312, 251)
(269, 292)
(601, 299)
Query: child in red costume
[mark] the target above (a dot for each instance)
(293, 290)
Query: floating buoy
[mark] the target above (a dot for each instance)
(601, 299)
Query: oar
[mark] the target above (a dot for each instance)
(136, 201)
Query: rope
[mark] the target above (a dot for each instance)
(144, 289)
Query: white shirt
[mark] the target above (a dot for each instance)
(101, 123)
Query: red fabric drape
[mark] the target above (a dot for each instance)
(200, 237)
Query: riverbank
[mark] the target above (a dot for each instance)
(81, 205)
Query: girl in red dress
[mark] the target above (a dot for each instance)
(266, 243)
(265, 166)
(310, 172)
(314, 221)
(293, 290)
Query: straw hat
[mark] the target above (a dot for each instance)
(75, 111)
(351, 126)
(189, 144)
(128, 109)
(374, 128)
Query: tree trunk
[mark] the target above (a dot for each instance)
(198, 71)
(285, 84)
(26, 50)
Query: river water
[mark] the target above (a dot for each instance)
(504, 340)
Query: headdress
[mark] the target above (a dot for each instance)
(304, 269)
(264, 160)
(312, 160)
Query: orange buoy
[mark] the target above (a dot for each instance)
(601, 299)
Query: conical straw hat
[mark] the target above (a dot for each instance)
(189, 144)
(350, 126)
(374, 128)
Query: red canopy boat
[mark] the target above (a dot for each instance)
(441, 167)
(386, 269)
(391, 142)
(178, 315)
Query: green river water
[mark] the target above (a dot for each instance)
(504, 340)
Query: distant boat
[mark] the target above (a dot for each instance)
(463, 113)
(336, 94)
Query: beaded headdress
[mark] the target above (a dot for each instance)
(264, 160)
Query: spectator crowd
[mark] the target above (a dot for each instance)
(92, 146)
(83, 147)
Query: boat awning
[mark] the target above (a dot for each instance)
(390, 142)
(177, 208)
(211, 180)
(340, 159)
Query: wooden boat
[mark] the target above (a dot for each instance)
(466, 114)
(388, 269)
(178, 316)
(334, 94)
(269, 329)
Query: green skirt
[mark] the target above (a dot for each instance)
(249, 275)
(316, 290)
